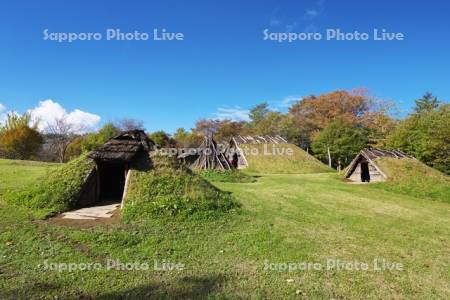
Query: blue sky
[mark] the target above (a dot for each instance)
(223, 66)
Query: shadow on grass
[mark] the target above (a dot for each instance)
(188, 287)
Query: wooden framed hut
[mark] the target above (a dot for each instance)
(236, 156)
(209, 156)
(113, 160)
(364, 167)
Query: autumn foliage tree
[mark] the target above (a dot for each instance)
(221, 129)
(314, 113)
(19, 140)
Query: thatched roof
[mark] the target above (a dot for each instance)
(123, 147)
(370, 154)
(259, 139)
(373, 153)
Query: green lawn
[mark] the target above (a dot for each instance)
(284, 219)
(16, 173)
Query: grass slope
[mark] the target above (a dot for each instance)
(284, 218)
(57, 189)
(169, 188)
(299, 162)
(226, 176)
(415, 178)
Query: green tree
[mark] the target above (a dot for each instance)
(343, 139)
(180, 136)
(185, 139)
(427, 103)
(89, 142)
(74, 149)
(162, 139)
(93, 140)
(426, 136)
(258, 113)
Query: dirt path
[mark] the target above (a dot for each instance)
(92, 213)
(104, 214)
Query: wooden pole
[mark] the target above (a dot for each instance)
(329, 157)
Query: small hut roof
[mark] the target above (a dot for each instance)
(373, 153)
(259, 139)
(370, 154)
(123, 147)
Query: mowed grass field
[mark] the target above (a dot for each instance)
(295, 218)
(15, 174)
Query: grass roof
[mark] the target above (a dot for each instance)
(299, 162)
(410, 176)
(166, 189)
(58, 190)
(169, 188)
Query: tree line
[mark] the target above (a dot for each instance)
(334, 125)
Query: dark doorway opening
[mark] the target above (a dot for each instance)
(234, 161)
(112, 181)
(365, 174)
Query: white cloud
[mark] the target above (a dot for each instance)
(311, 13)
(284, 103)
(3, 114)
(232, 113)
(289, 100)
(290, 27)
(292, 24)
(48, 111)
(275, 21)
(311, 28)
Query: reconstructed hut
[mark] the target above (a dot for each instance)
(259, 139)
(127, 169)
(236, 156)
(364, 167)
(113, 160)
(209, 156)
